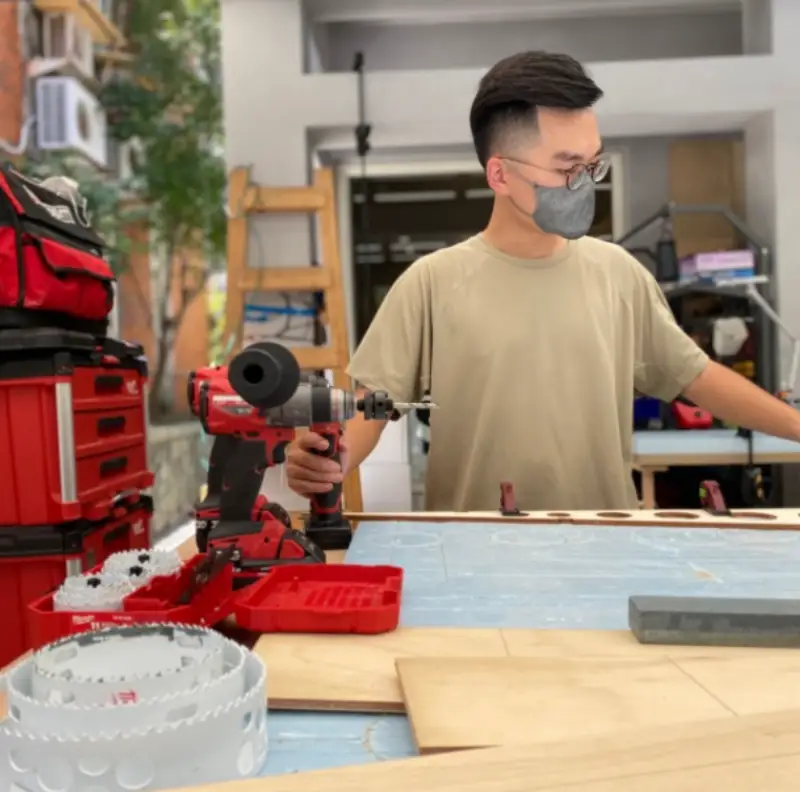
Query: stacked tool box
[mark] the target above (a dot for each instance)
(73, 463)
(73, 421)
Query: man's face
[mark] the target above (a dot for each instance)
(565, 143)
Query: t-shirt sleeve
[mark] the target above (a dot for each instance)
(667, 359)
(395, 354)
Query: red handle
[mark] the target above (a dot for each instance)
(328, 503)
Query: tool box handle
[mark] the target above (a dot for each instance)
(107, 382)
(111, 425)
(113, 466)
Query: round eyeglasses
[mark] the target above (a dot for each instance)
(596, 171)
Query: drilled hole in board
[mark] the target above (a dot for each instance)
(559, 515)
(676, 515)
(747, 515)
(614, 515)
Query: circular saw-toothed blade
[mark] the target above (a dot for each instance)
(143, 563)
(92, 592)
(147, 707)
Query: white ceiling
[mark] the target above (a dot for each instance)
(454, 11)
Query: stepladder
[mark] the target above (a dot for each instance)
(246, 199)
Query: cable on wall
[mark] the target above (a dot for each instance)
(363, 131)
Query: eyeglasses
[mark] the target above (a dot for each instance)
(577, 175)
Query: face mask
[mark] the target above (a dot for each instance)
(564, 212)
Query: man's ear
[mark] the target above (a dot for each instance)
(496, 175)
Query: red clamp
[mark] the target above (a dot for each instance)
(508, 501)
(711, 499)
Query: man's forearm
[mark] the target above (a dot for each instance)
(734, 399)
(361, 437)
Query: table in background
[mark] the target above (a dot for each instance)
(658, 450)
(540, 577)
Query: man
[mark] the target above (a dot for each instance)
(531, 336)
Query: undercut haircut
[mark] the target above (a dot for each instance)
(512, 91)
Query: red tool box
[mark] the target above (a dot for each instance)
(35, 560)
(314, 598)
(72, 419)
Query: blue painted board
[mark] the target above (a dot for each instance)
(546, 576)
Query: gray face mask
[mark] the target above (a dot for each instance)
(564, 212)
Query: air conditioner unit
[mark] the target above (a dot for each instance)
(70, 118)
(67, 47)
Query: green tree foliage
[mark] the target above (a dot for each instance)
(170, 103)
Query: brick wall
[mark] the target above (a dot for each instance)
(12, 82)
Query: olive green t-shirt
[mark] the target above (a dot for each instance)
(533, 364)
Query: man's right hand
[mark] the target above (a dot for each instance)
(309, 473)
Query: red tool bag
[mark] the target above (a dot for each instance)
(52, 270)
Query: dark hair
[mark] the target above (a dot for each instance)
(513, 90)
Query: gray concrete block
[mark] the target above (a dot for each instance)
(715, 621)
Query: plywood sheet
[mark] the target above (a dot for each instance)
(357, 673)
(732, 754)
(455, 703)
(748, 682)
(765, 519)
(616, 643)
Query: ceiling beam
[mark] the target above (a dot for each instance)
(466, 11)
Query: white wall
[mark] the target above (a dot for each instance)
(453, 46)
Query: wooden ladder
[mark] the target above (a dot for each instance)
(245, 199)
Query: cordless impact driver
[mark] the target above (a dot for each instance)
(260, 400)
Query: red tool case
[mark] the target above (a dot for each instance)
(35, 560)
(310, 598)
(72, 419)
(155, 602)
(322, 598)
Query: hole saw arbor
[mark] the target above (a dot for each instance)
(245, 199)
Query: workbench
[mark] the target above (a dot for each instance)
(658, 450)
(529, 576)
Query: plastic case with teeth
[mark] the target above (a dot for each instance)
(134, 708)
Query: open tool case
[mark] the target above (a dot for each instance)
(307, 598)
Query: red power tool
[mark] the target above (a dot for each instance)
(253, 408)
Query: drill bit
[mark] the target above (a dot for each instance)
(423, 405)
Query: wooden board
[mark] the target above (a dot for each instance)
(764, 519)
(749, 682)
(357, 673)
(621, 643)
(731, 754)
(360, 673)
(455, 703)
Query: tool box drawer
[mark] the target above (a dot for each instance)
(100, 477)
(97, 431)
(106, 387)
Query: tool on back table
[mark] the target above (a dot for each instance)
(260, 400)
(712, 500)
(508, 501)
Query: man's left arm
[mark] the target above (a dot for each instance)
(669, 363)
(734, 399)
